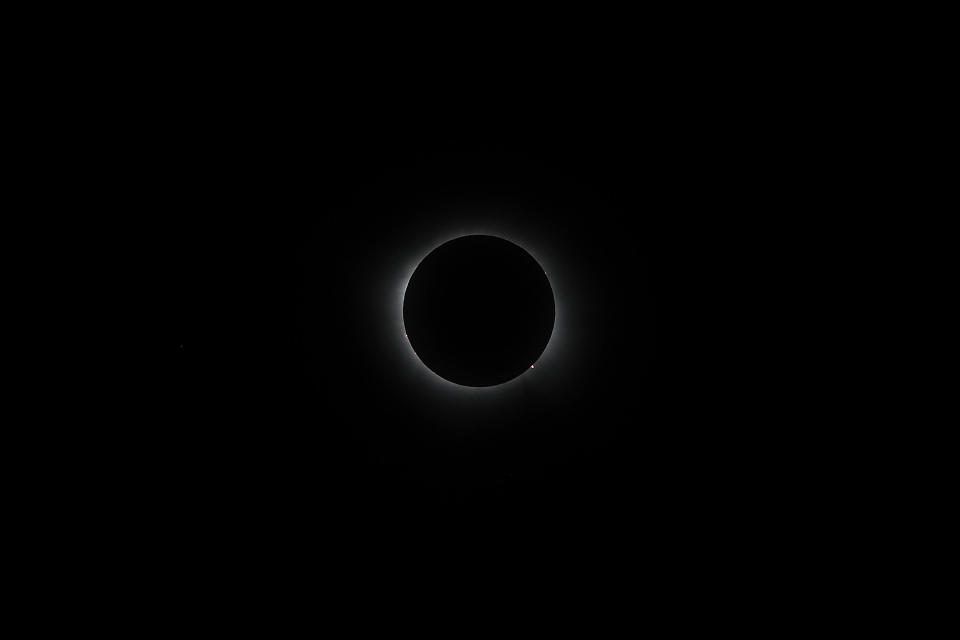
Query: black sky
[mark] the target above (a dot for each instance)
(289, 401)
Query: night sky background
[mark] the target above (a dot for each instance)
(267, 188)
(286, 408)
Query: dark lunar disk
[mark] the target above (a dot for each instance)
(478, 311)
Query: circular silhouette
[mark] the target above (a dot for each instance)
(478, 311)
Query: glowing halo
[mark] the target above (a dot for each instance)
(415, 367)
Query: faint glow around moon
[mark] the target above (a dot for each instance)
(420, 370)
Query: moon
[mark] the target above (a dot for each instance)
(479, 311)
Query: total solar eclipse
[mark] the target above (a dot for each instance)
(479, 311)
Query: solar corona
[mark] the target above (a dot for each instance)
(478, 311)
